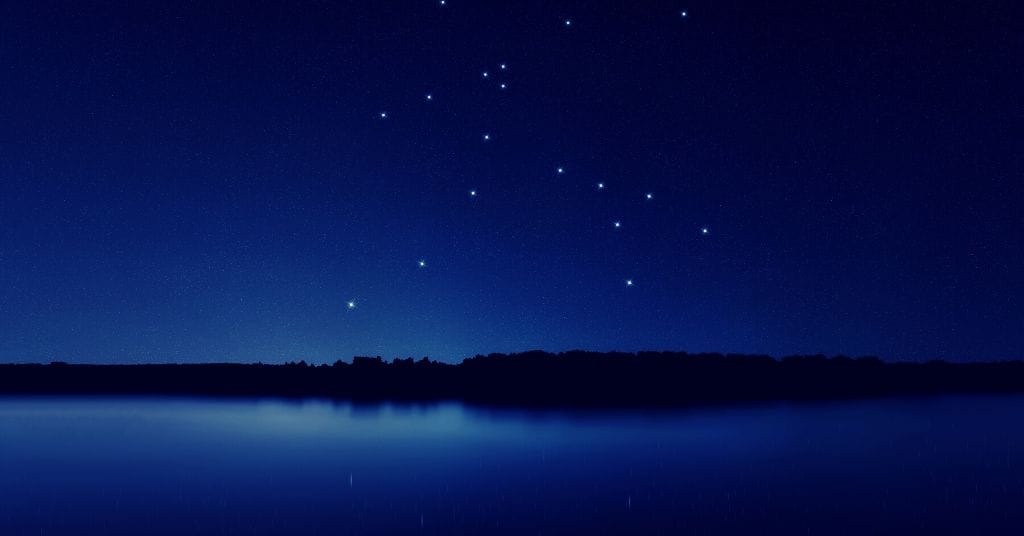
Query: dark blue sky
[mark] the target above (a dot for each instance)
(215, 182)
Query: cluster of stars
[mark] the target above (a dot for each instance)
(560, 170)
(486, 75)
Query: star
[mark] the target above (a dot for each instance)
(444, 2)
(617, 224)
(629, 282)
(503, 66)
(704, 230)
(486, 74)
(351, 305)
(560, 170)
(568, 22)
(600, 186)
(472, 193)
(503, 86)
(649, 196)
(383, 115)
(684, 14)
(487, 137)
(422, 264)
(430, 97)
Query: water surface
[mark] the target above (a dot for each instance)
(191, 466)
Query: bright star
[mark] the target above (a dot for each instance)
(629, 282)
(600, 186)
(430, 97)
(568, 22)
(472, 193)
(684, 14)
(351, 305)
(486, 74)
(422, 264)
(704, 230)
(503, 86)
(561, 169)
(504, 66)
(617, 224)
(487, 137)
(383, 115)
(444, 2)
(649, 196)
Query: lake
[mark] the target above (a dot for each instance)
(202, 466)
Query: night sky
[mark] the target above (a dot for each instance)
(231, 182)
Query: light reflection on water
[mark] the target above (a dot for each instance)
(181, 466)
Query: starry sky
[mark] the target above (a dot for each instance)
(231, 182)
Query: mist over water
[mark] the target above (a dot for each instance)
(187, 466)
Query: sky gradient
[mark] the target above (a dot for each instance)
(217, 183)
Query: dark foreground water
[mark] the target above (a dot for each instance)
(183, 466)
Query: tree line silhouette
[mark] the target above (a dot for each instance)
(535, 378)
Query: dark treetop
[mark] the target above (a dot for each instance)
(535, 379)
(221, 181)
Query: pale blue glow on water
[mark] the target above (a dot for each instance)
(176, 466)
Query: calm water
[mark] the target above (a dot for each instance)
(182, 466)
